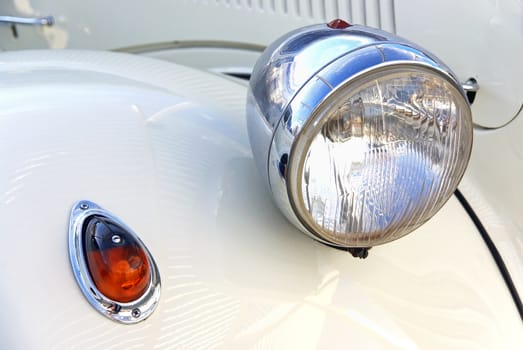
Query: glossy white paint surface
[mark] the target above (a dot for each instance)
(479, 39)
(493, 186)
(165, 148)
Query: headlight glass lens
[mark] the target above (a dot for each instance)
(380, 156)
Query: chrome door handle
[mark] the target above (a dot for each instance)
(32, 21)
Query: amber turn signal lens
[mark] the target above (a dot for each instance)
(117, 264)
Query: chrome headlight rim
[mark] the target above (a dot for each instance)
(304, 136)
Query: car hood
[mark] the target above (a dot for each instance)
(165, 148)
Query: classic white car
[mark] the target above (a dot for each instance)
(152, 198)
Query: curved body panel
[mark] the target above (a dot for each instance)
(165, 149)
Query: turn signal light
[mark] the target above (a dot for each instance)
(117, 264)
(113, 267)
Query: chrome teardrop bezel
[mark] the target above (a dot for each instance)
(128, 313)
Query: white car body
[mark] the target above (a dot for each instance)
(165, 148)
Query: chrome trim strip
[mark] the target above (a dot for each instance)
(32, 21)
(191, 44)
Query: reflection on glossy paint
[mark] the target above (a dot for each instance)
(195, 314)
(56, 36)
(24, 7)
(24, 173)
(163, 113)
(400, 341)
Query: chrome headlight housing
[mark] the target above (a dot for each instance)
(361, 135)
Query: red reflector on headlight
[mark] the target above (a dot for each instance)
(338, 24)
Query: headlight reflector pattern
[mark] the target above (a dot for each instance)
(380, 156)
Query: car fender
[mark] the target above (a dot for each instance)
(165, 148)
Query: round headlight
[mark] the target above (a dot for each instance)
(362, 136)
